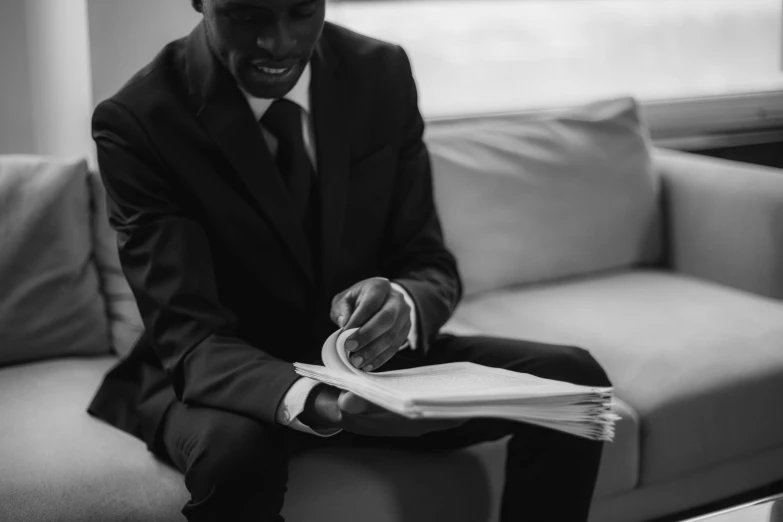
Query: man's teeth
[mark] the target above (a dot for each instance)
(270, 70)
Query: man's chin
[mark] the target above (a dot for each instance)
(264, 85)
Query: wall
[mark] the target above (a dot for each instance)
(16, 126)
(60, 58)
(45, 98)
(53, 75)
(59, 67)
(126, 34)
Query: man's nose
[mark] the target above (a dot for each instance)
(277, 40)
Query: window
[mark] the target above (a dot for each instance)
(675, 56)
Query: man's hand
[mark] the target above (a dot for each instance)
(382, 317)
(329, 407)
(365, 418)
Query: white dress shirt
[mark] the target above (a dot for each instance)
(294, 400)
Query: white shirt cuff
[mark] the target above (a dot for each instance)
(413, 335)
(293, 404)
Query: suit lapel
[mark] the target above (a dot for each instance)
(225, 114)
(332, 151)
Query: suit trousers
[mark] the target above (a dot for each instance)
(236, 468)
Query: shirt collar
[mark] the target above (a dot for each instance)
(299, 94)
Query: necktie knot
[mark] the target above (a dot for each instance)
(284, 120)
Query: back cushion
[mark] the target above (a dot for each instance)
(124, 317)
(529, 201)
(50, 303)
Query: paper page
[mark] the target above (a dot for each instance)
(333, 353)
(454, 381)
(466, 389)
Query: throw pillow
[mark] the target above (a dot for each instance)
(533, 200)
(50, 304)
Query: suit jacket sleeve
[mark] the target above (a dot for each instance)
(415, 255)
(166, 257)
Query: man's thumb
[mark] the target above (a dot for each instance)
(351, 403)
(341, 312)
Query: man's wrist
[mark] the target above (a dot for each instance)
(412, 339)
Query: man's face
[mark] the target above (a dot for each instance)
(265, 44)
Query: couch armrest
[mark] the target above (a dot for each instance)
(724, 220)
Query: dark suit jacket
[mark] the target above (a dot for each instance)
(216, 259)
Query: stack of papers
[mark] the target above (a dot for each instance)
(463, 389)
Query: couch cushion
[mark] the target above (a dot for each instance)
(50, 304)
(533, 200)
(61, 465)
(702, 364)
(124, 317)
(52, 450)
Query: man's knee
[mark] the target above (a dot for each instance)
(575, 365)
(234, 448)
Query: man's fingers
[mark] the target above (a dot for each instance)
(446, 424)
(382, 323)
(389, 318)
(369, 301)
(353, 404)
(380, 350)
(376, 355)
(342, 310)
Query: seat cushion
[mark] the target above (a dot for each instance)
(61, 465)
(50, 303)
(518, 198)
(701, 364)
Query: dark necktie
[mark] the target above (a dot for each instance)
(284, 120)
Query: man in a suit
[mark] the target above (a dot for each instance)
(268, 183)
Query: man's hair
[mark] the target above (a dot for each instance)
(196, 4)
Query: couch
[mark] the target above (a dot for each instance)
(570, 228)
